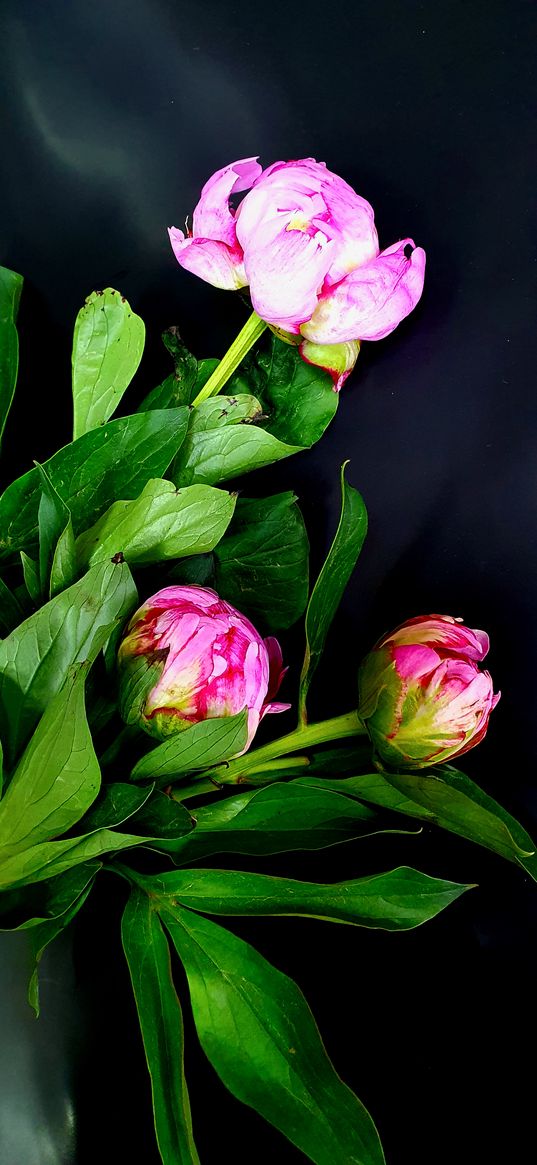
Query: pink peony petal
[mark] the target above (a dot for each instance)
(372, 300)
(446, 634)
(213, 261)
(285, 272)
(415, 661)
(212, 218)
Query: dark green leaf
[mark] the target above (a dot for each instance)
(260, 1036)
(224, 441)
(107, 348)
(30, 571)
(328, 590)
(370, 787)
(460, 806)
(397, 900)
(163, 522)
(11, 611)
(161, 818)
(161, 1022)
(297, 398)
(49, 858)
(36, 657)
(10, 293)
(41, 936)
(116, 803)
(205, 744)
(46, 901)
(116, 460)
(261, 564)
(276, 819)
(57, 561)
(181, 386)
(58, 776)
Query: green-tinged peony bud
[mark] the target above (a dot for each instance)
(188, 656)
(422, 697)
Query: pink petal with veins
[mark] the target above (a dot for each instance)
(370, 302)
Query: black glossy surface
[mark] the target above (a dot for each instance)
(115, 114)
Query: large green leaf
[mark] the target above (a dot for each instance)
(328, 590)
(58, 776)
(11, 611)
(224, 441)
(397, 900)
(445, 797)
(276, 819)
(116, 460)
(205, 744)
(297, 398)
(161, 1022)
(36, 657)
(460, 806)
(35, 905)
(108, 343)
(10, 293)
(49, 858)
(57, 560)
(163, 522)
(372, 788)
(116, 803)
(260, 1036)
(40, 937)
(261, 564)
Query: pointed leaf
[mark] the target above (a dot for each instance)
(261, 565)
(10, 293)
(223, 441)
(11, 611)
(161, 1022)
(397, 900)
(260, 1036)
(57, 562)
(42, 903)
(460, 806)
(163, 522)
(205, 744)
(277, 819)
(116, 460)
(108, 344)
(30, 572)
(41, 936)
(116, 803)
(36, 657)
(49, 858)
(328, 590)
(58, 776)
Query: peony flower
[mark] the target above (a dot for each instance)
(423, 698)
(305, 244)
(188, 656)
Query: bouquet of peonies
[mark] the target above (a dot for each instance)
(140, 600)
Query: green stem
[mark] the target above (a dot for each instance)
(252, 330)
(305, 736)
(272, 770)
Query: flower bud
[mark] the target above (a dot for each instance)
(422, 697)
(189, 656)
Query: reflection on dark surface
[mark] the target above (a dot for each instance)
(115, 114)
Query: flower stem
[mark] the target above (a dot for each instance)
(252, 330)
(238, 771)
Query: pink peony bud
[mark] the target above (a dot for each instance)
(306, 245)
(188, 656)
(423, 698)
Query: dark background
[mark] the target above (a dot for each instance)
(114, 116)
